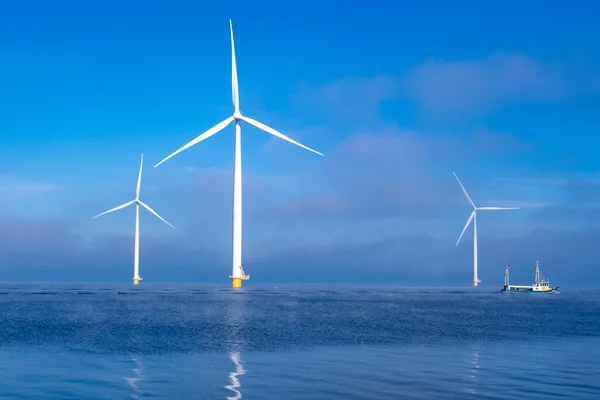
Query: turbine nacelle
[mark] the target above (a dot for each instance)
(237, 115)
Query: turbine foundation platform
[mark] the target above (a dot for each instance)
(236, 281)
(475, 283)
(136, 280)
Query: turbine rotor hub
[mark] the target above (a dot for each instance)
(237, 115)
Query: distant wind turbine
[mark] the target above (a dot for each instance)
(473, 218)
(138, 203)
(237, 274)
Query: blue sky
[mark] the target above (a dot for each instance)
(396, 96)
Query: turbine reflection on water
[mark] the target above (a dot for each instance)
(235, 341)
(132, 381)
(233, 376)
(474, 370)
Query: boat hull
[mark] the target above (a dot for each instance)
(529, 289)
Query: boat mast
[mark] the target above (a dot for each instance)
(537, 273)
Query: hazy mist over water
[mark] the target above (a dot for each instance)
(296, 342)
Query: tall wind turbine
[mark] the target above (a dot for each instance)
(473, 218)
(237, 274)
(136, 257)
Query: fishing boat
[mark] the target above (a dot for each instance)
(540, 284)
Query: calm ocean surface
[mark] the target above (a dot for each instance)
(111, 341)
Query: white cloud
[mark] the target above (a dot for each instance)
(13, 189)
(475, 86)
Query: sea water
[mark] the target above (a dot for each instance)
(116, 341)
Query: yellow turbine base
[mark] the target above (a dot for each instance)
(236, 283)
(136, 281)
(475, 283)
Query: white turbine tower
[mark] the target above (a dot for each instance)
(138, 203)
(237, 274)
(473, 217)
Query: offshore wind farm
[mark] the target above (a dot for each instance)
(237, 271)
(360, 288)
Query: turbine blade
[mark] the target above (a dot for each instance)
(273, 132)
(466, 226)
(464, 190)
(147, 207)
(234, 79)
(116, 208)
(137, 190)
(498, 208)
(205, 135)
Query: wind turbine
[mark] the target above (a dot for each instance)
(473, 218)
(237, 274)
(136, 258)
